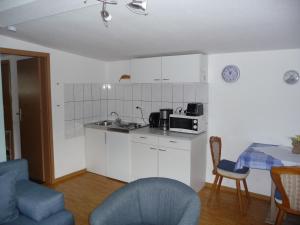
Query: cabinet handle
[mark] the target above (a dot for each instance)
(143, 137)
(166, 79)
(105, 138)
(162, 150)
(153, 148)
(173, 141)
(157, 79)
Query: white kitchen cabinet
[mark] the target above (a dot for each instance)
(184, 68)
(95, 149)
(118, 156)
(115, 70)
(144, 161)
(170, 157)
(146, 70)
(174, 164)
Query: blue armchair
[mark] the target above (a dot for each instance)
(149, 201)
(35, 204)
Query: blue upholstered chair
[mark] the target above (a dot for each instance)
(226, 168)
(149, 201)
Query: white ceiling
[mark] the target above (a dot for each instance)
(172, 26)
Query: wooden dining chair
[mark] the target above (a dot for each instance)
(225, 168)
(287, 195)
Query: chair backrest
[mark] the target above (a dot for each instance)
(19, 165)
(215, 149)
(287, 181)
(156, 201)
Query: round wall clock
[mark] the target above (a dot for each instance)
(291, 77)
(230, 73)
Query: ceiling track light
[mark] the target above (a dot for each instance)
(136, 6)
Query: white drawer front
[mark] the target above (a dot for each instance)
(175, 143)
(146, 139)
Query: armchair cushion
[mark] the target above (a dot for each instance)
(8, 203)
(38, 202)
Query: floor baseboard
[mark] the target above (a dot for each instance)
(69, 176)
(233, 190)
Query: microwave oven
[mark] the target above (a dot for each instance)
(187, 124)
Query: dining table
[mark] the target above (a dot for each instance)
(264, 157)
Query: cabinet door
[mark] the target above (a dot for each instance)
(95, 149)
(116, 69)
(118, 154)
(144, 161)
(147, 70)
(181, 68)
(174, 164)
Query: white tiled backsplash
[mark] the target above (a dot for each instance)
(88, 102)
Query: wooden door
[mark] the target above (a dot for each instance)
(30, 103)
(7, 108)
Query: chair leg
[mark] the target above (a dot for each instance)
(246, 189)
(238, 188)
(219, 183)
(213, 188)
(215, 182)
(279, 217)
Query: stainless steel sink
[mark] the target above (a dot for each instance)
(104, 123)
(119, 126)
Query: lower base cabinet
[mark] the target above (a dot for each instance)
(108, 153)
(182, 160)
(144, 161)
(95, 151)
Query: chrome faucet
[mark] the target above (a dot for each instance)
(118, 119)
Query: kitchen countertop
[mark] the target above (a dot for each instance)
(159, 132)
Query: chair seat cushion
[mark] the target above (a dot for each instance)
(278, 197)
(38, 202)
(8, 203)
(227, 168)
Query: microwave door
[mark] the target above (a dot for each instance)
(181, 123)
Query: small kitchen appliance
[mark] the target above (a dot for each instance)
(154, 119)
(187, 124)
(194, 109)
(164, 118)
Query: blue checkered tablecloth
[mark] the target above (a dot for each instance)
(256, 159)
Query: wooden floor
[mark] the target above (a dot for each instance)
(83, 193)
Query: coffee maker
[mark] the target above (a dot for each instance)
(164, 118)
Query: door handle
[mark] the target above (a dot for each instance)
(19, 114)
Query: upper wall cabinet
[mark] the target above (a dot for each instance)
(116, 69)
(184, 68)
(147, 70)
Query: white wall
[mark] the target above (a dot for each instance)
(259, 107)
(65, 67)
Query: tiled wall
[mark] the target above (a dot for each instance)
(84, 103)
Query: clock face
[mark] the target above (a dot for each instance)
(231, 73)
(291, 77)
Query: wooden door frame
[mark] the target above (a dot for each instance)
(46, 106)
(12, 150)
